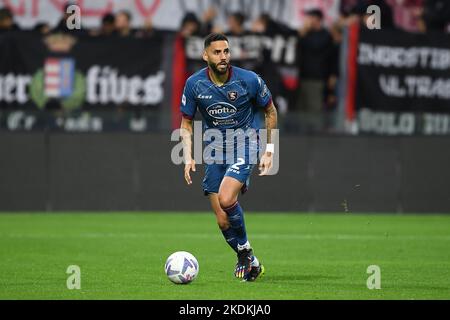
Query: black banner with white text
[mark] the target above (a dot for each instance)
(67, 74)
(403, 83)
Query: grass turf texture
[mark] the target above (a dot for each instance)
(322, 256)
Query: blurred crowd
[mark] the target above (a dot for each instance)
(410, 15)
(112, 24)
(318, 42)
(317, 93)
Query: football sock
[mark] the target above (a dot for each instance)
(231, 239)
(244, 246)
(255, 262)
(236, 218)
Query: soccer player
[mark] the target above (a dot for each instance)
(228, 97)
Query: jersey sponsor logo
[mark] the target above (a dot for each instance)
(225, 122)
(232, 95)
(200, 96)
(221, 110)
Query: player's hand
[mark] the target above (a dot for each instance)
(187, 171)
(266, 163)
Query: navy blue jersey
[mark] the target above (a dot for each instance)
(230, 106)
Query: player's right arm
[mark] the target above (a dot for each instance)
(188, 108)
(186, 136)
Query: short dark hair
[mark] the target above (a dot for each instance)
(315, 12)
(126, 13)
(5, 13)
(240, 18)
(108, 18)
(214, 37)
(190, 17)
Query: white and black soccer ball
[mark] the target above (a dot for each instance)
(181, 267)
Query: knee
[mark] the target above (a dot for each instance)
(223, 225)
(226, 200)
(222, 220)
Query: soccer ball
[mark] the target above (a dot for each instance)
(181, 267)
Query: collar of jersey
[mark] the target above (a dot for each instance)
(230, 72)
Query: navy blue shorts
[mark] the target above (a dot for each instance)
(214, 174)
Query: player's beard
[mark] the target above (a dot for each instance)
(214, 68)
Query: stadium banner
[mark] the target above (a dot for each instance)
(248, 49)
(402, 83)
(78, 75)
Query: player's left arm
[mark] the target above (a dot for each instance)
(271, 116)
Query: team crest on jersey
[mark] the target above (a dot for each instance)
(232, 95)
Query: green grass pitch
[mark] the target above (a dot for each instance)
(307, 256)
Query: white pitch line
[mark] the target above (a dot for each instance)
(272, 236)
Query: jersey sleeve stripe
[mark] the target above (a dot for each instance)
(268, 103)
(186, 116)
